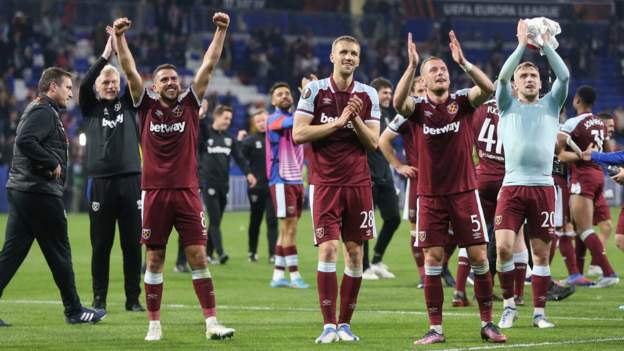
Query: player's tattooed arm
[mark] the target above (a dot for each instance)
(402, 103)
(560, 149)
(484, 87)
(128, 66)
(211, 58)
(203, 108)
(385, 145)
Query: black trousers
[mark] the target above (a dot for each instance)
(115, 200)
(215, 200)
(386, 199)
(491, 248)
(41, 217)
(261, 203)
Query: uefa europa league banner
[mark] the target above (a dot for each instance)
(503, 9)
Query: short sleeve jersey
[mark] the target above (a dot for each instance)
(586, 129)
(445, 142)
(402, 126)
(169, 141)
(339, 159)
(489, 147)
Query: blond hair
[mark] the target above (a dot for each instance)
(108, 69)
(347, 38)
(526, 64)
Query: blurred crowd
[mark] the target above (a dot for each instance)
(257, 57)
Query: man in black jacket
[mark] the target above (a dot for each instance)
(114, 184)
(384, 192)
(259, 196)
(35, 192)
(216, 147)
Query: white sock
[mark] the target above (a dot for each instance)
(538, 311)
(211, 321)
(509, 303)
(295, 275)
(151, 323)
(437, 328)
(278, 274)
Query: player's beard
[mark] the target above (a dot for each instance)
(285, 106)
(169, 100)
(439, 90)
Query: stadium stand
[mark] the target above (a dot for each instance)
(281, 41)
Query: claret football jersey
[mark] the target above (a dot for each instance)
(340, 158)
(489, 146)
(169, 141)
(586, 129)
(445, 142)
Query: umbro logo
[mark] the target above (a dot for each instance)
(326, 101)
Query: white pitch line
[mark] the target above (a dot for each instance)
(309, 309)
(546, 343)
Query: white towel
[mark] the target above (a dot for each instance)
(537, 27)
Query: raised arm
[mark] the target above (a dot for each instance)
(87, 96)
(503, 91)
(484, 87)
(135, 82)
(402, 103)
(559, 90)
(212, 55)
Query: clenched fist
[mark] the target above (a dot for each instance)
(221, 20)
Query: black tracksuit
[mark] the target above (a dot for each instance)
(215, 151)
(384, 197)
(36, 210)
(253, 148)
(114, 184)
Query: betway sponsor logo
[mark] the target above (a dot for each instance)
(449, 128)
(112, 123)
(219, 150)
(167, 128)
(327, 119)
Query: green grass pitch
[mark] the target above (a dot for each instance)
(390, 314)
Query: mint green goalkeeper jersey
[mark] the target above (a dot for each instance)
(529, 130)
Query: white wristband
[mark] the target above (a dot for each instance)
(467, 67)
